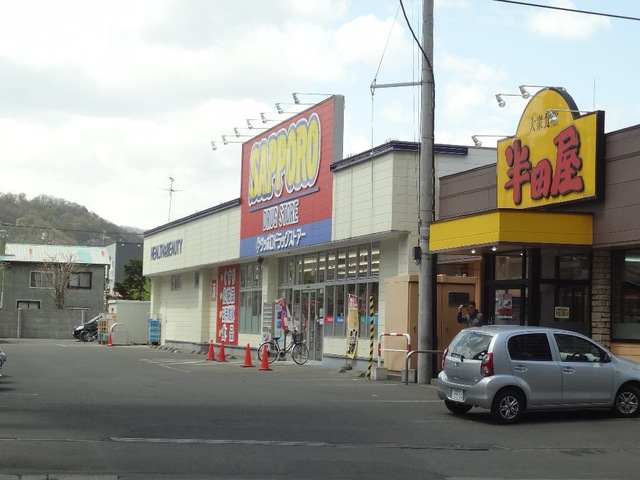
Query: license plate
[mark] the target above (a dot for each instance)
(457, 395)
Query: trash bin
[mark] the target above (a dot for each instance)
(119, 334)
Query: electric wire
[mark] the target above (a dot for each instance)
(375, 78)
(573, 10)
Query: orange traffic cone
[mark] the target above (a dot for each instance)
(211, 355)
(221, 355)
(247, 358)
(109, 341)
(264, 366)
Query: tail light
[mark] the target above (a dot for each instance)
(486, 367)
(444, 357)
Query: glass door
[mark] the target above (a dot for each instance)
(308, 316)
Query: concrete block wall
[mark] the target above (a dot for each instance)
(51, 324)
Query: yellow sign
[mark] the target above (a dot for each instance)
(555, 157)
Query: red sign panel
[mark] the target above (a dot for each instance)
(228, 287)
(287, 185)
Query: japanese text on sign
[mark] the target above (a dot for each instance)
(544, 181)
(280, 240)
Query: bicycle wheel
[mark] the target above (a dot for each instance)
(300, 353)
(272, 351)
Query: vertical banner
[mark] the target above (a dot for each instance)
(228, 304)
(267, 321)
(352, 327)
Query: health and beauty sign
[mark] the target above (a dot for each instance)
(287, 186)
(556, 156)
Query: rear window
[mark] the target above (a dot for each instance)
(530, 346)
(470, 345)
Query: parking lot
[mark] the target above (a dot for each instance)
(69, 407)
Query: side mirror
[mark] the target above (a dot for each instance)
(606, 358)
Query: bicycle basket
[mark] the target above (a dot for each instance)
(298, 337)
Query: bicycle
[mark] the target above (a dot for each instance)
(89, 336)
(298, 349)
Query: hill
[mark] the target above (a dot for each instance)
(49, 220)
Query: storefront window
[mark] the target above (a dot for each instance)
(309, 268)
(322, 266)
(509, 266)
(573, 267)
(331, 266)
(340, 329)
(352, 268)
(363, 263)
(626, 299)
(355, 269)
(342, 265)
(375, 260)
(250, 298)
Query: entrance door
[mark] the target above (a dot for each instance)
(308, 313)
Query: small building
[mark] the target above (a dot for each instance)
(28, 270)
(120, 254)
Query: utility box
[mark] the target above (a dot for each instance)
(134, 315)
(401, 316)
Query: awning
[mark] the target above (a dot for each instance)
(506, 229)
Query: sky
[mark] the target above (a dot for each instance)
(102, 103)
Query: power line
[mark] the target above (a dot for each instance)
(587, 12)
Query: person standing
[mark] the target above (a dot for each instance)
(473, 318)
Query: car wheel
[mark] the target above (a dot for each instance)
(507, 406)
(84, 336)
(457, 408)
(627, 403)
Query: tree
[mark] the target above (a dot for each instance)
(134, 286)
(55, 276)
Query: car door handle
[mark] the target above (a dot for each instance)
(520, 368)
(568, 370)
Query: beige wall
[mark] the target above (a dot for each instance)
(209, 240)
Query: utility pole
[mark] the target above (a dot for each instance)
(426, 207)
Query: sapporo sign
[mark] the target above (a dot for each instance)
(287, 185)
(548, 163)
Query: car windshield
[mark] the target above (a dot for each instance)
(470, 345)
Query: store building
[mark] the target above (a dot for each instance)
(324, 233)
(555, 220)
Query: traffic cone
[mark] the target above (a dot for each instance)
(211, 355)
(109, 341)
(264, 366)
(221, 355)
(247, 358)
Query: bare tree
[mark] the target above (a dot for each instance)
(56, 273)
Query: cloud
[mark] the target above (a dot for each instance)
(562, 25)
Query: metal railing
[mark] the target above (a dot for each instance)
(406, 364)
(380, 349)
